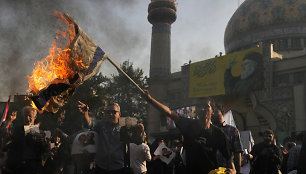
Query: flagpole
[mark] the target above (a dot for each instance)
(125, 74)
(5, 111)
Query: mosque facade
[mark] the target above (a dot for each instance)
(279, 26)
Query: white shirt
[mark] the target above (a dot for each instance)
(139, 154)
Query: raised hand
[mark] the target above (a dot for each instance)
(146, 94)
(13, 116)
(83, 108)
(155, 103)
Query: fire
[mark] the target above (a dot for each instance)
(26, 98)
(34, 106)
(58, 64)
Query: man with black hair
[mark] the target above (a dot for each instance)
(201, 138)
(301, 168)
(231, 133)
(294, 153)
(139, 151)
(266, 157)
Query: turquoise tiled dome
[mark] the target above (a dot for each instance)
(260, 20)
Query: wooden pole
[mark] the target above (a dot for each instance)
(125, 74)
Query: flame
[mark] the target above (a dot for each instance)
(58, 64)
(26, 98)
(34, 106)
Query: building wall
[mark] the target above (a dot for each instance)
(280, 105)
(299, 107)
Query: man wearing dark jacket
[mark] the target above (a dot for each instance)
(266, 157)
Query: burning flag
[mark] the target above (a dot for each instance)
(69, 64)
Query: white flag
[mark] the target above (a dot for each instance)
(229, 119)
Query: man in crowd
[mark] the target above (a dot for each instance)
(27, 143)
(201, 139)
(294, 153)
(139, 151)
(232, 134)
(110, 152)
(301, 168)
(266, 157)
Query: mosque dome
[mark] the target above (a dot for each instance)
(281, 22)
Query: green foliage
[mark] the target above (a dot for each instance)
(97, 91)
(93, 93)
(126, 94)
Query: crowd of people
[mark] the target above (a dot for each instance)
(206, 144)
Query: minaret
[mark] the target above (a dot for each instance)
(162, 13)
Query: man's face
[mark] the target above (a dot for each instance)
(90, 136)
(204, 111)
(217, 118)
(31, 116)
(113, 114)
(248, 68)
(268, 138)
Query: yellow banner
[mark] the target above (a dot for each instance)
(235, 73)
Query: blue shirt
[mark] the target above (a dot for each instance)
(294, 156)
(110, 154)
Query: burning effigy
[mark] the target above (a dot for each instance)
(69, 63)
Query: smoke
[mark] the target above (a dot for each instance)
(27, 29)
(119, 27)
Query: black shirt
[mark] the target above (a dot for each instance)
(201, 145)
(267, 159)
(24, 147)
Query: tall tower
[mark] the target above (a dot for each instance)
(162, 13)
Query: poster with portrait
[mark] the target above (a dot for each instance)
(187, 112)
(85, 142)
(165, 153)
(237, 73)
(31, 129)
